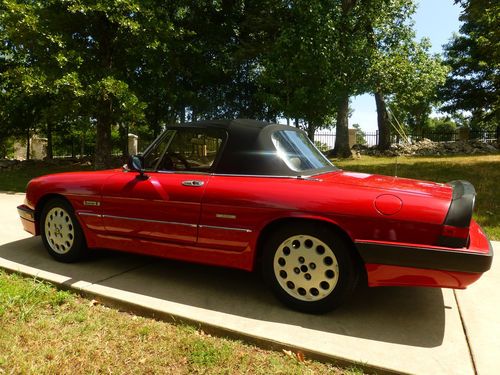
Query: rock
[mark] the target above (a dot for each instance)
(490, 148)
(426, 147)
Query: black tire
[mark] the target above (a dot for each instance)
(61, 233)
(317, 261)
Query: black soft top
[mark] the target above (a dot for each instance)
(249, 149)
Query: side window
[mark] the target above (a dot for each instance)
(187, 149)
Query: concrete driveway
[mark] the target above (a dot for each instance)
(401, 330)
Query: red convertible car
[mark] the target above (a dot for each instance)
(249, 194)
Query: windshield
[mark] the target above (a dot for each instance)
(298, 152)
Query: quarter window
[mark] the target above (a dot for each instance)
(298, 152)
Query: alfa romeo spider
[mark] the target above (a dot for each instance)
(253, 195)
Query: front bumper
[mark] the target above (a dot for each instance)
(27, 216)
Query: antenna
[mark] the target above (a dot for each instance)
(398, 127)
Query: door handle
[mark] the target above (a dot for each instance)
(194, 183)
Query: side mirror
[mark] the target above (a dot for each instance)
(135, 163)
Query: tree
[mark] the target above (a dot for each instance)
(353, 55)
(367, 33)
(390, 32)
(416, 92)
(75, 56)
(297, 68)
(360, 134)
(474, 57)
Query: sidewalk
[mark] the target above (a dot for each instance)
(402, 330)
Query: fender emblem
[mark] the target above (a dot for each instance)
(91, 203)
(225, 216)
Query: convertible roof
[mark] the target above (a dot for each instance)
(249, 149)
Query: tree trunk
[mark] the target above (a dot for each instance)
(296, 122)
(50, 154)
(384, 126)
(341, 148)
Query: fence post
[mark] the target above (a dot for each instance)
(132, 144)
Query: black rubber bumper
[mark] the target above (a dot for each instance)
(460, 212)
(423, 257)
(26, 213)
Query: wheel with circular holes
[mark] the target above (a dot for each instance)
(61, 233)
(309, 267)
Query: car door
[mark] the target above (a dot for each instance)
(164, 207)
(164, 204)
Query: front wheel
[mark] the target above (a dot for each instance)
(61, 233)
(309, 267)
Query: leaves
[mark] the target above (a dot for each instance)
(89, 66)
(474, 57)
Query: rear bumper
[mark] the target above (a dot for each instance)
(459, 214)
(27, 216)
(393, 263)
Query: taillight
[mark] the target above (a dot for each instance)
(457, 232)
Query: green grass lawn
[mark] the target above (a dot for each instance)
(482, 171)
(47, 331)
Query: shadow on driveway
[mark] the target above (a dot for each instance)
(408, 316)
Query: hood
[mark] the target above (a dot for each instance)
(393, 184)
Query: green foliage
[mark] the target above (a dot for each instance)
(75, 71)
(297, 69)
(440, 125)
(415, 91)
(439, 128)
(474, 57)
(360, 134)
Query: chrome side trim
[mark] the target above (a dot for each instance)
(257, 175)
(164, 222)
(88, 214)
(226, 228)
(149, 220)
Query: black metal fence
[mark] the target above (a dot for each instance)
(326, 141)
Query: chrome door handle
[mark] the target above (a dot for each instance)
(194, 183)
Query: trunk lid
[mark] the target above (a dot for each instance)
(393, 184)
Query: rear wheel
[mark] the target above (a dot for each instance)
(61, 233)
(309, 267)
